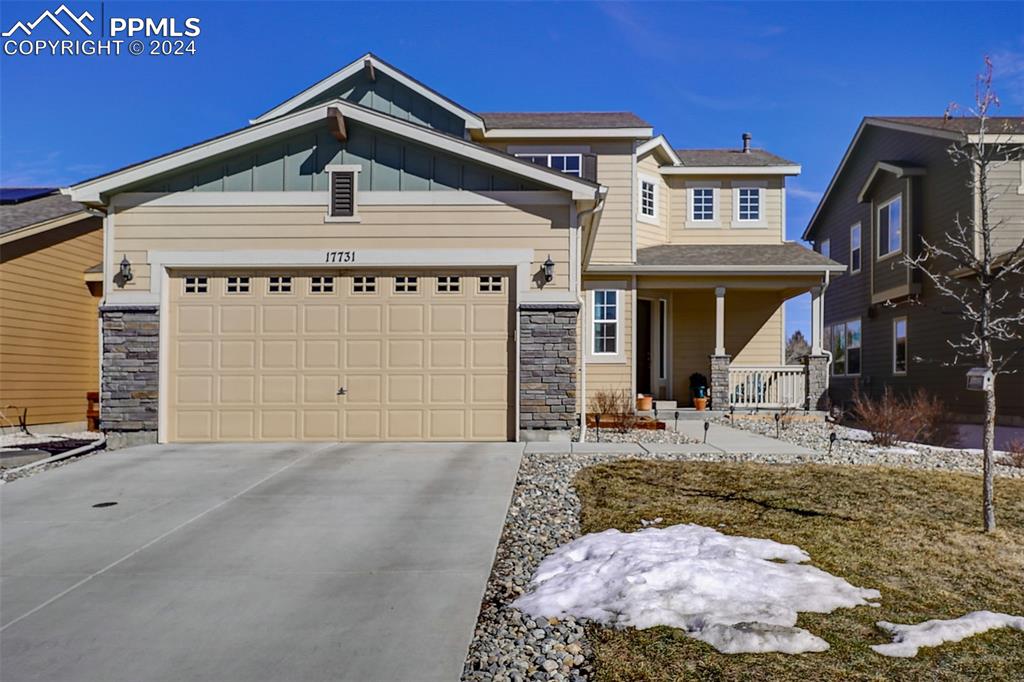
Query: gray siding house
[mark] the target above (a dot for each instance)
(885, 324)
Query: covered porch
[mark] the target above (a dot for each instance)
(719, 311)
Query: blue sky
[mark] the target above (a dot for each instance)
(799, 76)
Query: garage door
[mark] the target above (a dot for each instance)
(264, 356)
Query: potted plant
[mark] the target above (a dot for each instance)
(699, 390)
(644, 403)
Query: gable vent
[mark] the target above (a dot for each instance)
(343, 201)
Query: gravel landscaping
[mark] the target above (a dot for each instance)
(666, 435)
(47, 446)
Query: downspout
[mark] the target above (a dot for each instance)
(599, 198)
(825, 351)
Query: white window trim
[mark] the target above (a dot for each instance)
(548, 153)
(355, 169)
(716, 220)
(619, 357)
(846, 348)
(879, 256)
(640, 215)
(906, 341)
(761, 220)
(860, 247)
(825, 248)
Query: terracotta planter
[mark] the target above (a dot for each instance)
(700, 403)
(645, 403)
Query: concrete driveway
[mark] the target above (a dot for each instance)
(251, 562)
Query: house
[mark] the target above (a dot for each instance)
(887, 324)
(51, 250)
(370, 260)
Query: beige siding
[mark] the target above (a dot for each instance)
(651, 232)
(49, 355)
(214, 228)
(684, 231)
(1007, 207)
(602, 376)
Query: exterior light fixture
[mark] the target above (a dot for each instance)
(125, 272)
(549, 269)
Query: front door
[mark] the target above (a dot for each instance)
(643, 346)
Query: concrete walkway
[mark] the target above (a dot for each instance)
(720, 439)
(251, 562)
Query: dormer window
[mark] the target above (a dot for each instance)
(343, 191)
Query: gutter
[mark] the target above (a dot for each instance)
(599, 199)
(716, 269)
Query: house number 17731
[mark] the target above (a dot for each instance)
(340, 257)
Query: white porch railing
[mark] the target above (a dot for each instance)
(770, 387)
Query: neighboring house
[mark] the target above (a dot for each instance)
(50, 287)
(370, 260)
(886, 324)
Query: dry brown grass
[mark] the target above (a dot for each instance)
(914, 535)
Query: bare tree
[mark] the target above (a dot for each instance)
(797, 348)
(966, 265)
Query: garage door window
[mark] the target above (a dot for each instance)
(406, 285)
(237, 285)
(449, 285)
(364, 285)
(321, 285)
(490, 284)
(279, 285)
(197, 285)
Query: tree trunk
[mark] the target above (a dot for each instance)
(988, 444)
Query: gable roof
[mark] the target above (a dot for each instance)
(937, 126)
(563, 119)
(370, 60)
(659, 143)
(95, 189)
(731, 157)
(898, 168)
(27, 213)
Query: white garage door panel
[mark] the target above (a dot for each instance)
(257, 364)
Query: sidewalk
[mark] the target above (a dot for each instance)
(721, 439)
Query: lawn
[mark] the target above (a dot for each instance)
(914, 535)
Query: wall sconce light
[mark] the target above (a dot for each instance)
(124, 274)
(549, 269)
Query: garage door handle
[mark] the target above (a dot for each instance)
(342, 391)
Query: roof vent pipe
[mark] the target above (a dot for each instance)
(746, 143)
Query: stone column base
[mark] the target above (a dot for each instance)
(719, 380)
(817, 381)
(131, 369)
(547, 368)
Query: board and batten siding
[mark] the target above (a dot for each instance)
(49, 333)
(140, 229)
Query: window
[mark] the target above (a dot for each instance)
(407, 285)
(855, 248)
(449, 285)
(279, 285)
(890, 227)
(702, 201)
(490, 284)
(237, 285)
(826, 248)
(845, 341)
(606, 322)
(899, 345)
(648, 198)
(364, 285)
(749, 203)
(321, 285)
(570, 164)
(197, 285)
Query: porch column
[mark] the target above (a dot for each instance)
(719, 378)
(817, 320)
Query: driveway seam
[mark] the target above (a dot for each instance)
(161, 537)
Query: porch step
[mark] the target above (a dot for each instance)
(665, 404)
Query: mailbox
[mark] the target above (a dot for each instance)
(979, 379)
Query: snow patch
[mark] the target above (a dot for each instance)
(907, 639)
(738, 594)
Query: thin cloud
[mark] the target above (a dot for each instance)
(1008, 72)
(797, 192)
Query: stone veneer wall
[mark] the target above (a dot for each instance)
(817, 381)
(719, 381)
(131, 369)
(547, 366)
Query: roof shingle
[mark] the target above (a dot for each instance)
(958, 124)
(22, 214)
(783, 255)
(563, 119)
(731, 157)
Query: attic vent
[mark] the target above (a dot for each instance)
(343, 194)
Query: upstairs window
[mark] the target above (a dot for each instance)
(570, 164)
(890, 227)
(702, 204)
(855, 248)
(748, 204)
(648, 198)
(605, 339)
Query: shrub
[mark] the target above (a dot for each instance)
(921, 418)
(1014, 456)
(616, 407)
